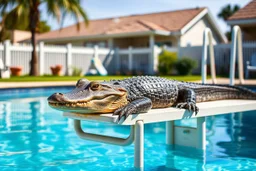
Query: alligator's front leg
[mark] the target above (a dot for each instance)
(187, 100)
(140, 105)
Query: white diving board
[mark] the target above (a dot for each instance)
(194, 137)
(170, 114)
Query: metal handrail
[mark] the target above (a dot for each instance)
(207, 41)
(103, 138)
(236, 47)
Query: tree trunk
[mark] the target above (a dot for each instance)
(34, 18)
(34, 59)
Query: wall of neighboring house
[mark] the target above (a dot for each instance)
(194, 36)
(19, 35)
(249, 33)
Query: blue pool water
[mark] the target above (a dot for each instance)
(35, 137)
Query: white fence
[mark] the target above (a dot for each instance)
(222, 55)
(122, 61)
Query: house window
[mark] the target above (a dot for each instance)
(89, 45)
(165, 43)
(92, 44)
(102, 44)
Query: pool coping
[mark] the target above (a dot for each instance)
(43, 84)
(15, 85)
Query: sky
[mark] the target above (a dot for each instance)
(98, 9)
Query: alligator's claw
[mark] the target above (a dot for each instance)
(123, 112)
(189, 106)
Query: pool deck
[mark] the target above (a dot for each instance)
(4, 85)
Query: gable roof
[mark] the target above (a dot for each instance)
(168, 21)
(164, 23)
(247, 12)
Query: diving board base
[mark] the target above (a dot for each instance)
(187, 136)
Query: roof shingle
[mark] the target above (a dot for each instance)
(166, 21)
(247, 12)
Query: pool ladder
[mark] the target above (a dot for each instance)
(236, 49)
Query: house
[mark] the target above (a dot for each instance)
(16, 36)
(246, 19)
(173, 28)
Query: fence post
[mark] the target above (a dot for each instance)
(69, 59)
(41, 58)
(156, 52)
(96, 51)
(7, 53)
(130, 59)
(117, 56)
(152, 54)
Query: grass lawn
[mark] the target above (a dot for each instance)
(75, 78)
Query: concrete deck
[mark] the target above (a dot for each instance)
(72, 83)
(226, 81)
(4, 85)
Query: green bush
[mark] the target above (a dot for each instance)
(185, 65)
(166, 62)
(76, 71)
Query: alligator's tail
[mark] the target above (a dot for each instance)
(210, 92)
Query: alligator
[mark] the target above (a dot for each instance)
(140, 94)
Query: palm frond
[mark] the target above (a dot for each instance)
(53, 9)
(68, 8)
(18, 18)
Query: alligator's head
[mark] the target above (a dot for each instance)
(90, 97)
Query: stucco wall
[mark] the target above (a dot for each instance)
(194, 36)
(19, 35)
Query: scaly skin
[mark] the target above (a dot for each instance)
(140, 94)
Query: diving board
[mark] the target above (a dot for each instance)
(170, 114)
(194, 137)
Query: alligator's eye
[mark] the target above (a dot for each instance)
(116, 83)
(95, 86)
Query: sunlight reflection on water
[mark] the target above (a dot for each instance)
(33, 136)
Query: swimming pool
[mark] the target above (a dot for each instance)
(33, 137)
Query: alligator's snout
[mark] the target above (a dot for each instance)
(56, 98)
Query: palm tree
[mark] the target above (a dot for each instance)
(4, 34)
(28, 11)
(227, 12)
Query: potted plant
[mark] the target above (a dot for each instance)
(56, 70)
(16, 70)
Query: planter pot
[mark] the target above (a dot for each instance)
(16, 70)
(56, 70)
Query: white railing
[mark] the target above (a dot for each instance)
(222, 53)
(236, 48)
(207, 41)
